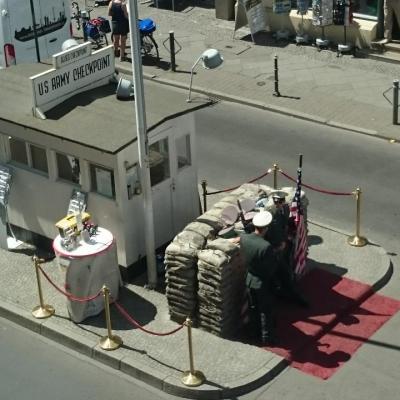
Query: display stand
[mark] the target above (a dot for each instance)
(322, 17)
(302, 9)
(282, 8)
(251, 13)
(86, 268)
(342, 15)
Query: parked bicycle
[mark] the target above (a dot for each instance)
(94, 29)
(148, 44)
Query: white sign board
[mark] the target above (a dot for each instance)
(254, 12)
(322, 12)
(72, 55)
(54, 86)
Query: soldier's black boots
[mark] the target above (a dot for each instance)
(267, 336)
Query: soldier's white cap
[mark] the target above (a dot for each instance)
(262, 219)
(279, 194)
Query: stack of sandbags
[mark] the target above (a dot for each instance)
(221, 292)
(181, 270)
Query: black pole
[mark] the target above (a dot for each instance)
(172, 50)
(35, 31)
(300, 160)
(204, 186)
(276, 92)
(395, 101)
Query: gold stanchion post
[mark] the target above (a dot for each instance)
(192, 377)
(357, 240)
(275, 176)
(42, 310)
(204, 186)
(109, 342)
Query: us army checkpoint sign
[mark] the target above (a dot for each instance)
(88, 70)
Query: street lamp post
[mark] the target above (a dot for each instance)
(211, 59)
(143, 144)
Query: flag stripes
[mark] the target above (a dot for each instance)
(300, 245)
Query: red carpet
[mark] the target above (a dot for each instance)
(318, 340)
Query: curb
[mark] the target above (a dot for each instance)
(162, 380)
(257, 104)
(149, 375)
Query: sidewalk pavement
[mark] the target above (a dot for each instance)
(345, 92)
(231, 368)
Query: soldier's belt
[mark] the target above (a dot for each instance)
(253, 282)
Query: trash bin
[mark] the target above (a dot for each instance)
(225, 9)
(86, 269)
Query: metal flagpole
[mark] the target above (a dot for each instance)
(143, 144)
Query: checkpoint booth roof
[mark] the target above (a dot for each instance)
(88, 144)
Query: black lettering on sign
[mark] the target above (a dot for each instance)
(43, 88)
(60, 81)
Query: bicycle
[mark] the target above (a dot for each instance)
(94, 29)
(147, 41)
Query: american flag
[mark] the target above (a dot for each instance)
(300, 244)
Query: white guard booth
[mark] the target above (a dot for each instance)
(86, 269)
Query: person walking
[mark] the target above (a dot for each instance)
(118, 12)
(261, 266)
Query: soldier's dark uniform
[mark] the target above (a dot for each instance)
(261, 265)
(278, 233)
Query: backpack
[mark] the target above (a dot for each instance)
(91, 31)
(102, 24)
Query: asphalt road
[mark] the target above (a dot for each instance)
(34, 368)
(237, 143)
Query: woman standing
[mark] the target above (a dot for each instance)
(118, 12)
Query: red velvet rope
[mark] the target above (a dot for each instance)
(125, 314)
(233, 188)
(316, 189)
(69, 295)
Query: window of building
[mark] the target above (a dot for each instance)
(68, 168)
(183, 151)
(28, 154)
(365, 8)
(38, 158)
(18, 151)
(102, 180)
(159, 161)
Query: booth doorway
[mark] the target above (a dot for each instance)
(174, 184)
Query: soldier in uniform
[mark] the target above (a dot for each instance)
(280, 235)
(261, 266)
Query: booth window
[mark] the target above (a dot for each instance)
(18, 151)
(27, 154)
(68, 168)
(102, 180)
(159, 161)
(39, 158)
(183, 151)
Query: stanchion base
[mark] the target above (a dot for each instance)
(43, 312)
(357, 241)
(344, 48)
(110, 343)
(320, 42)
(195, 379)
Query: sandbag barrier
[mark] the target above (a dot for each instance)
(110, 342)
(354, 240)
